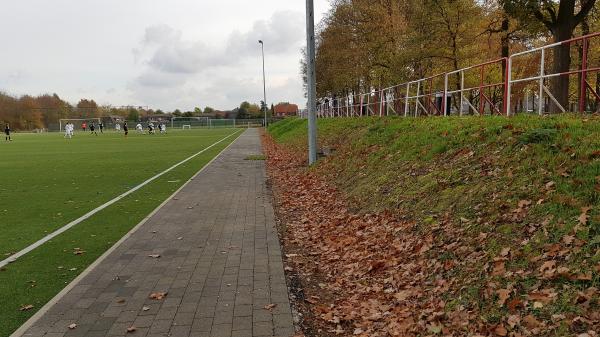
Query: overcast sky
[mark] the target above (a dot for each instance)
(163, 54)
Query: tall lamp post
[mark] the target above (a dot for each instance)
(262, 46)
(312, 87)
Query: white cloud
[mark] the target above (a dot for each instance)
(175, 54)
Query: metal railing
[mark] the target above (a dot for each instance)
(488, 88)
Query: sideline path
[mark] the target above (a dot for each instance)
(220, 262)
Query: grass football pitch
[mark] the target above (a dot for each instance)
(47, 181)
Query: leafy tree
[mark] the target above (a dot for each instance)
(87, 108)
(560, 18)
(133, 114)
(197, 111)
(209, 110)
(177, 113)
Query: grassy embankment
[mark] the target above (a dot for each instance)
(527, 189)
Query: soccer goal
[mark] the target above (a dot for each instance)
(77, 122)
(181, 122)
(186, 126)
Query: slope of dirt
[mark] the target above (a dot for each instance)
(442, 226)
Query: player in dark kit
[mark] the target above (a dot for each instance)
(101, 125)
(93, 129)
(126, 129)
(7, 133)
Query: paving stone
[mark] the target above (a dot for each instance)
(219, 276)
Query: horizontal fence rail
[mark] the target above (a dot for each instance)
(526, 81)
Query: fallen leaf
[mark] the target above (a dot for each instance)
(72, 326)
(568, 239)
(26, 307)
(524, 203)
(584, 217)
(503, 295)
(513, 320)
(145, 308)
(158, 295)
(269, 306)
(530, 322)
(499, 268)
(514, 304)
(154, 256)
(501, 330)
(131, 329)
(547, 266)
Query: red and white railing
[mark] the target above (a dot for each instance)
(486, 88)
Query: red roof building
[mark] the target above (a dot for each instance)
(285, 110)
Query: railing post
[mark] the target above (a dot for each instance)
(583, 90)
(406, 104)
(381, 103)
(462, 97)
(417, 100)
(509, 86)
(444, 103)
(481, 94)
(504, 107)
(541, 84)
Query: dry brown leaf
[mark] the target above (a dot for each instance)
(513, 320)
(584, 217)
(547, 266)
(158, 295)
(503, 295)
(72, 326)
(269, 306)
(530, 322)
(145, 308)
(131, 329)
(26, 307)
(501, 330)
(514, 304)
(499, 268)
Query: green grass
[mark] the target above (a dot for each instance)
(48, 181)
(256, 157)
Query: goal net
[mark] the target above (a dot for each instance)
(78, 123)
(184, 122)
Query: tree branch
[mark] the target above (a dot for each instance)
(586, 7)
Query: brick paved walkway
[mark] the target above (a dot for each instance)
(220, 264)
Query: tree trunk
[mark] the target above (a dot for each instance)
(562, 63)
(505, 43)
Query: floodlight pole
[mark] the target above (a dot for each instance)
(262, 46)
(311, 87)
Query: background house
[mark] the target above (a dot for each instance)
(285, 110)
